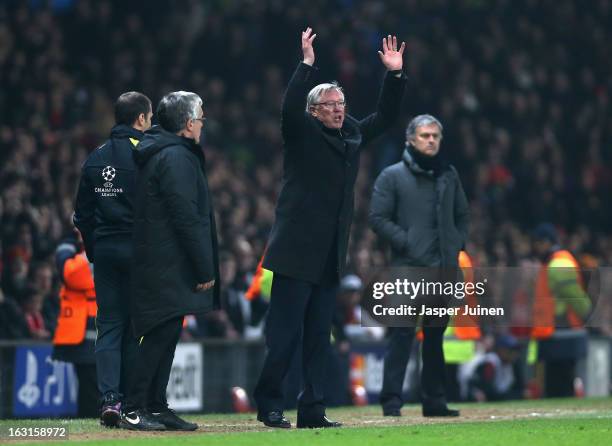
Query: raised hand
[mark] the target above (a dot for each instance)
(307, 49)
(391, 58)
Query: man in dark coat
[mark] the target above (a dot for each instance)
(419, 207)
(176, 268)
(308, 242)
(104, 216)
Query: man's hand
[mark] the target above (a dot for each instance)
(307, 49)
(391, 58)
(205, 286)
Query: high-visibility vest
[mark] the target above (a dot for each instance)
(261, 285)
(544, 301)
(465, 327)
(77, 301)
(462, 331)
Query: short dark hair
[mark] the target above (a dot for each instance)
(176, 108)
(130, 105)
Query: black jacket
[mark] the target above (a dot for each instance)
(175, 239)
(104, 203)
(421, 231)
(315, 206)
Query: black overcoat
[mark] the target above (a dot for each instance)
(175, 241)
(315, 206)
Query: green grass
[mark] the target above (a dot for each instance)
(524, 423)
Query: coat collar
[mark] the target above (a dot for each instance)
(346, 140)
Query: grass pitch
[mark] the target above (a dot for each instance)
(544, 422)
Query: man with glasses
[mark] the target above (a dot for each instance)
(176, 267)
(308, 242)
(104, 216)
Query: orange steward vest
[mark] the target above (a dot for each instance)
(77, 301)
(544, 300)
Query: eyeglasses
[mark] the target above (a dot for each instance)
(332, 104)
(202, 119)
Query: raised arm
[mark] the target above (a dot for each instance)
(390, 99)
(294, 102)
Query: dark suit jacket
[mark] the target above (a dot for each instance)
(315, 206)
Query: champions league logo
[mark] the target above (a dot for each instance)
(108, 174)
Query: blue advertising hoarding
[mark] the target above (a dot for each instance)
(41, 385)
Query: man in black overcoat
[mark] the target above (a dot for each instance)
(175, 265)
(308, 242)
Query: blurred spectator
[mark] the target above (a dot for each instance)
(42, 281)
(12, 321)
(32, 305)
(494, 375)
(347, 323)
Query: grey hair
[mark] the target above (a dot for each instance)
(176, 108)
(315, 94)
(419, 121)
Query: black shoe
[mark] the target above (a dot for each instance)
(140, 420)
(274, 419)
(110, 412)
(441, 411)
(392, 412)
(172, 421)
(316, 422)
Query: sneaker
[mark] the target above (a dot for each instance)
(110, 413)
(172, 421)
(140, 420)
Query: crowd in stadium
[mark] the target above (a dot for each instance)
(525, 105)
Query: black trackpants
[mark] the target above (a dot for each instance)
(115, 346)
(87, 400)
(151, 370)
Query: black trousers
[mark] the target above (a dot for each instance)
(88, 397)
(559, 378)
(299, 311)
(433, 376)
(115, 346)
(151, 370)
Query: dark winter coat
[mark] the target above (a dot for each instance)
(423, 217)
(315, 206)
(175, 241)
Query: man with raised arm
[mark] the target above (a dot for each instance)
(308, 242)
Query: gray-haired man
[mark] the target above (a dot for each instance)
(418, 206)
(175, 268)
(308, 242)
